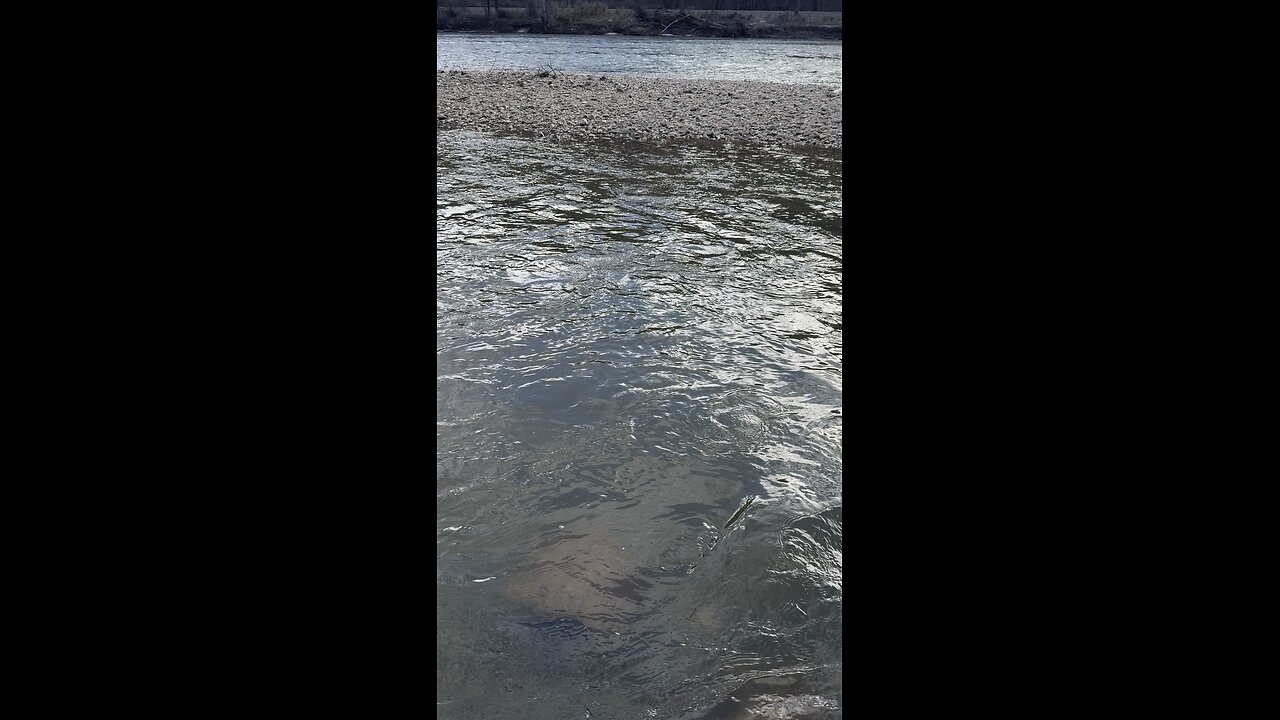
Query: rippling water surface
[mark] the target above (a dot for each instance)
(632, 341)
(816, 62)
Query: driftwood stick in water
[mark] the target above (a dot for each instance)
(741, 510)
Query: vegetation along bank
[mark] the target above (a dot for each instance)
(794, 19)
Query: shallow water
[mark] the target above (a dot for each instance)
(631, 341)
(816, 62)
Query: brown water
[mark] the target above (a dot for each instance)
(632, 340)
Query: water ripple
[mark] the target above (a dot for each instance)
(630, 341)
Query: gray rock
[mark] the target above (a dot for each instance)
(642, 107)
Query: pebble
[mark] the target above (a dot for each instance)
(739, 111)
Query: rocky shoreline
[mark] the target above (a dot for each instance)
(638, 108)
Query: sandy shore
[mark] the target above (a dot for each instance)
(638, 108)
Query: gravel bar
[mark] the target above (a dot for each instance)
(638, 108)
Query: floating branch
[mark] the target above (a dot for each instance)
(741, 510)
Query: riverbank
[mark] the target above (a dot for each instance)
(582, 20)
(638, 108)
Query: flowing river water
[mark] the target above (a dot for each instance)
(813, 62)
(634, 342)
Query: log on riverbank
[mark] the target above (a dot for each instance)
(638, 108)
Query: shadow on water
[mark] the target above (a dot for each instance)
(631, 341)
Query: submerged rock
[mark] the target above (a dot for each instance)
(585, 578)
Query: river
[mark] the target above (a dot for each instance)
(814, 62)
(634, 342)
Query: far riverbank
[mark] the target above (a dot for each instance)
(627, 21)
